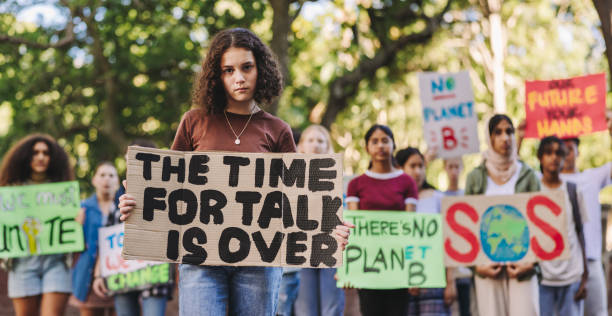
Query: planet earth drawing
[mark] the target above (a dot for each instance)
(504, 233)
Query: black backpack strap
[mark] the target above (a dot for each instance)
(573, 197)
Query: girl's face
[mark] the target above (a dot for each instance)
(106, 180)
(239, 74)
(415, 168)
(314, 142)
(501, 138)
(40, 158)
(380, 146)
(552, 158)
(453, 167)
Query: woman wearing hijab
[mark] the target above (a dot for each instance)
(511, 289)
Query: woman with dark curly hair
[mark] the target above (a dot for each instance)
(238, 74)
(37, 283)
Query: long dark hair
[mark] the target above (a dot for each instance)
(385, 130)
(402, 157)
(16, 163)
(208, 90)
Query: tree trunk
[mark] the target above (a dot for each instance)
(346, 86)
(110, 111)
(498, 49)
(281, 26)
(604, 9)
(343, 88)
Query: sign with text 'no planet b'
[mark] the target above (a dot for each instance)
(393, 250)
(449, 115)
(230, 208)
(525, 227)
(128, 275)
(39, 219)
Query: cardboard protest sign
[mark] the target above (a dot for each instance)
(393, 250)
(524, 227)
(449, 116)
(565, 108)
(230, 208)
(127, 275)
(39, 219)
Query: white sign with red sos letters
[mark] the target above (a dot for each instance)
(449, 115)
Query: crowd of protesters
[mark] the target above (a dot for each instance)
(238, 74)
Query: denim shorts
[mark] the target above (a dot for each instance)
(31, 276)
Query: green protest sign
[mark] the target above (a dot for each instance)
(393, 250)
(39, 219)
(141, 279)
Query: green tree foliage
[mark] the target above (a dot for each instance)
(544, 40)
(123, 70)
(111, 71)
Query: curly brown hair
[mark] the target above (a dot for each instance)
(16, 168)
(208, 90)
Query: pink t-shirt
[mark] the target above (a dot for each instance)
(382, 191)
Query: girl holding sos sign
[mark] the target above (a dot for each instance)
(510, 289)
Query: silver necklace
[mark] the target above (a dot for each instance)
(237, 141)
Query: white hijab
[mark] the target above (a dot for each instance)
(500, 167)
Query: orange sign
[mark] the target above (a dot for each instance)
(567, 107)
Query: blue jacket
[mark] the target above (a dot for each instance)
(82, 273)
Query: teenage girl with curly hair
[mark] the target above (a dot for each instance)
(37, 284)
(238, 74)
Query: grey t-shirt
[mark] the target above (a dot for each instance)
(565, 272)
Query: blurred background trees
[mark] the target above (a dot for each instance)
(97, 74)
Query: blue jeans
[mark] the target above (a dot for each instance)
(288, 293)
(596, 303)
(318, 293)
(127, 304)
(559, 300)
(212, 290)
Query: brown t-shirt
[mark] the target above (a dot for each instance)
(199, 131)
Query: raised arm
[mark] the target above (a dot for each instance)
(520, 134)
